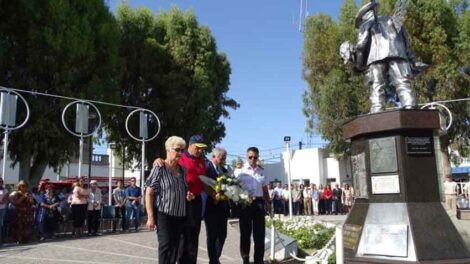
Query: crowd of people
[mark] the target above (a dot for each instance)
(310, 199)
(37, 214)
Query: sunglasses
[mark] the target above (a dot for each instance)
(253, 157)
(178, 149)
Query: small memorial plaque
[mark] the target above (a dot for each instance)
(386, 240)
(419, 145)
(359, 175)
(385, 184)
(351, 234)
(383, 155)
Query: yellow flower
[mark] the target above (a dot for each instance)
(219, 179)
(217, 188)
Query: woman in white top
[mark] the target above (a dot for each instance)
(307, 200)
(79, 207)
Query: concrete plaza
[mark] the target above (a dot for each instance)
(136, 247)
(140, 247)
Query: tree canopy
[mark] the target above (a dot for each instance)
(439, 36)
(166, 62)
(60, 47)
(172, 67)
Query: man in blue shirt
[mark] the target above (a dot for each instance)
(134, 194)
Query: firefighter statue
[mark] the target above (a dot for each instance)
(382, 52)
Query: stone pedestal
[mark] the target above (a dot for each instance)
(397, 216)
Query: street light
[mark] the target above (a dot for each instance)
(287, 141)
(112, 146)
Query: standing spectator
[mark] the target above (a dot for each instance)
(94, 208)
(134, 194)
(278, 200)
(252, 215)
(337, 206)
(238, 166)
(48, 213)
(37, 202)
(301, 201)
(315, 199)
(3, 206)
(271, 193)
(327, 195)
(216, 214)
(321, 200)
(120, 199)
(194, 163)
(105, 196)
(24, 206)
(285, 199)
(79, 205)
(166, 194)
(450, 192)
(348, 196)
(63, 201)
(296, 198)
(307, 193)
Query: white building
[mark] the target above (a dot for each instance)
(314, 165)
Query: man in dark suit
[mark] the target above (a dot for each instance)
(337, 196)
(216, 213)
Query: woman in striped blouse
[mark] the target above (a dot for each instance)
(167, 188)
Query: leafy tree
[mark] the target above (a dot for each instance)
(172, 67)
(439, 35)
(58, 47)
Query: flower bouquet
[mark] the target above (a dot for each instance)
(227, 187)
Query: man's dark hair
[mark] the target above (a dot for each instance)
(133, 178)
(254, 149)
(120, 180)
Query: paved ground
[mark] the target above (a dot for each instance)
(140, 247)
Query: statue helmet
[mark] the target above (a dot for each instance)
(366, 12)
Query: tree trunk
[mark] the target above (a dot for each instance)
(31, 172)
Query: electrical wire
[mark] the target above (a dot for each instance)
(69, 98)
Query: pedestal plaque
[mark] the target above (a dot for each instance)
(385, 184)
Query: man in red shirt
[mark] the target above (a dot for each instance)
(194, 163)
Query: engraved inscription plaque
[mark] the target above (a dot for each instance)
(385, 184)
(419, 145)
(383, 155)
(386, 240)
(351, 234)
(359, 175)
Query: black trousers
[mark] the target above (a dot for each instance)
(189, 243)
(216, 233)
(93, 221)
(252, 220)
(79, 214)
(169, 230)
(120, 213)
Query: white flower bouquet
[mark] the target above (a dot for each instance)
(227, 187)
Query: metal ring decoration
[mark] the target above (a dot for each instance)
(81, 102)
(142, 139)
(433, 104)
(6, 128)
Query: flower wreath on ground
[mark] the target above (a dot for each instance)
(228, 187)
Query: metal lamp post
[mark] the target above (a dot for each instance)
(287, 141)
(8, 100)
(81, 125)
(143, 135)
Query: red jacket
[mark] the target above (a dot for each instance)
(327, 194)
(194, 168)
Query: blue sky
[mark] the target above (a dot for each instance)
(264, 47)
